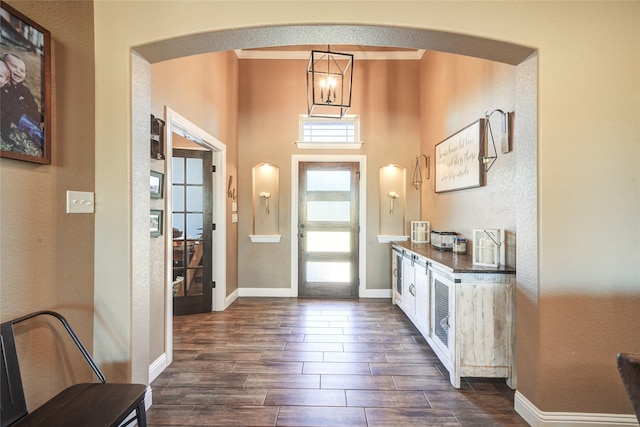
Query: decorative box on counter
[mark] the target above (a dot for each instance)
(420, 231)
(487, 247)
(443, 240)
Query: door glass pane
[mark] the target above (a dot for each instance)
(328, 211)
(328, 241)
(178, 225)
(194, 199)
(178, 170)
(329, 272)
(194, 226)
(328, 181)
(178, 198)
(194, 254)
(194, 171)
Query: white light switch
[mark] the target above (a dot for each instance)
(234, 207)
(79, 202)
(234, 217)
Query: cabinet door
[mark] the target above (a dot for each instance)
(408, 287)
(423, 309)
(396, 276)
(442, 313)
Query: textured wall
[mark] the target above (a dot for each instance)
(203, 89)
(587, 132)
(47, 255)
(455, 92)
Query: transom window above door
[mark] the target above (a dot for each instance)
(325, 133)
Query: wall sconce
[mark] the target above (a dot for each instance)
(507, 125)
(393, 196)
(266, 196)
(329, 79)
(157, 138)
(417, 174)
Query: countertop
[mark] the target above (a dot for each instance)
(457, 263)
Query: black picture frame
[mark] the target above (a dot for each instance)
(156, 222)
(25, 48)
(156, 185)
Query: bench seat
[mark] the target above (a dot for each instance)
(99, 404)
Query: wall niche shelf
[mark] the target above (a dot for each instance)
(389, 239)
(392, 201)
(266, 195)
(264, 238)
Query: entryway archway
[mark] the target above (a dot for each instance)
(526, 93)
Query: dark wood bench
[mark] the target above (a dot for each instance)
(629, 369)
(90, 404)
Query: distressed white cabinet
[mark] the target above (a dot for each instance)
(465, 313)
(422, 318)
(396, 274)
(408, 286)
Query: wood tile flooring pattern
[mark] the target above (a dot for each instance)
(308, 362)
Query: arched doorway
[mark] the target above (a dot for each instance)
(526, 89)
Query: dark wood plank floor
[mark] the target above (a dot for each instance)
(307, 362)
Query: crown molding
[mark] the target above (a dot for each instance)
(359, 56)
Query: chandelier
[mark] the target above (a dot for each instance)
(329, 78)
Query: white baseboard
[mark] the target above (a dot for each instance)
(265, 292)
(230, 299)
(287, 293)
(538, 418)
(157, 366)
(376, 293)
(148, 398)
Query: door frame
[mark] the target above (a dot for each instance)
(296, 159)
(177, 123)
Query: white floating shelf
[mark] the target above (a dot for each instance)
(265, 238)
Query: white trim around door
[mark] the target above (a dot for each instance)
(182, 126)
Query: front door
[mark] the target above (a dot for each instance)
(192, 228)
(328, 229)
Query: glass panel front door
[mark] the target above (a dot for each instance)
(328, 230)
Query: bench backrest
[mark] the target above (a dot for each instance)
(12, 399)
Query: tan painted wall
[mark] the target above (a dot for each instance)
(455, 92)
(46, 255)
(272, 96)
(587, 93)
(203, 89)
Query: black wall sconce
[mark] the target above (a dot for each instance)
(417, 173)
(157, 138)
(507, 143)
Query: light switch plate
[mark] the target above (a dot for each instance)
(79, 202)
(234, 217)
(234, 207)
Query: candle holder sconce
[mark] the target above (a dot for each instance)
(488, 247)
(420, 231)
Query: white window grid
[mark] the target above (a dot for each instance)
(319, 132)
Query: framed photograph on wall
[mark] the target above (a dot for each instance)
(155, 222)
(156, 185)
(25, 88)
(459, 159)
